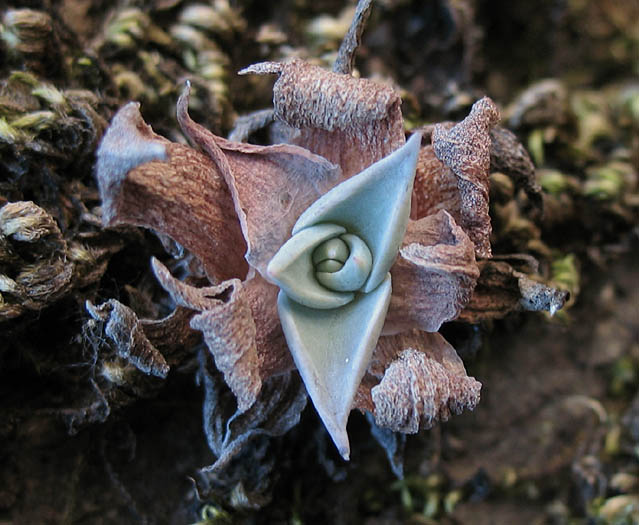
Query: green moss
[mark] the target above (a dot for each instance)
(606, 182)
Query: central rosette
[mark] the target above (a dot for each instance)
(335, 284)
(322, 266)
(343, 263)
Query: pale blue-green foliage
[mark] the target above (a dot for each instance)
(355, 270)
(335, 282)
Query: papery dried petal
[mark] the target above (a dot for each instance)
(271, 185)
(435, 187)
(240, 327)
(276, 410)
(465, 148)
(125, 330)
(501, 290)
(351, 122)
(261, 298)
(148, 181)
(433, 277)
(423, 380)
(230, 333)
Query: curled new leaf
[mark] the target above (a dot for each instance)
(332, 324)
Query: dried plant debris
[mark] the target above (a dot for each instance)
(416, 379)
(276, 410)
(465, 149)
(123, 328)
(38, 265)
(130, 358)
(501, 290)
(351, 122)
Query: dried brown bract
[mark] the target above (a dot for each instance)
(241, 332)
(147, 181)
(434, 275)
(424, 383)
(465, 149)
(501, 289)
(351, 122)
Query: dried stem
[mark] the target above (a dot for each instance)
(246, 125)
(352, 39)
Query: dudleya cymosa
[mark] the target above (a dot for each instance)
(335, 282)
(234, 205)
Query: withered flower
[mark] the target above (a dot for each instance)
(233, 205)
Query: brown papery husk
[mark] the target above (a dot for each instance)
(349, 121)
(415, 379)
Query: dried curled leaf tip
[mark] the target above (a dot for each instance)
(262, 68)
(351, 122)
(128, 143)
(466, 146)
(465, 149)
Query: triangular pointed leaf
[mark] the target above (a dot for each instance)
(332, 349)
(375, 205)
